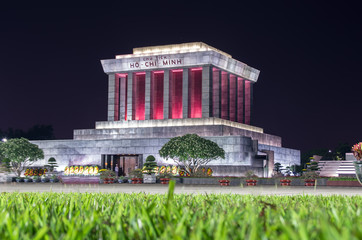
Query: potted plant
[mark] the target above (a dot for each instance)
(310, 174)
(285, 181)
(27, 179)
(53, 178)
(224, 182)
(18, 179)
(52, 164)
(36, 179)
(357, 152)
(122, 179)
(310, 177)
(251, 178)
(136, 176)
(165, 178)
(107, 176)
(43, 179)
(149, 170)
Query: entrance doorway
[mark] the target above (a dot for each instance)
(125, 163)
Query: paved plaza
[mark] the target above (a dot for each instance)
(186, 189)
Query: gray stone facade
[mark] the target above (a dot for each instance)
(239, 152)
(241, 147)
(247, 147)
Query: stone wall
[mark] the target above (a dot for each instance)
(240, 152)
(285, 156)
(169, 132)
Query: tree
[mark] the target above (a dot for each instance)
(20, 154)
(150, 164)
(278, 167)
(52, 164)
(192, 151)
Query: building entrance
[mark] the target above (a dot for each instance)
(121, 164)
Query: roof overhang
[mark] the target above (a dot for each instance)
(178, 56)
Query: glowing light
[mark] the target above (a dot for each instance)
(4, 140)
(195, 87)
(172, 49)
(196, 69)
(138, 96)
(157, 94)
(175, 94)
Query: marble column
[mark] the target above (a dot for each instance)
(129, 96)
(148, 96)
(206, 93)
(111, 96)
(166, 94)
(185, 92)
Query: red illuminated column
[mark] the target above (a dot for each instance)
(247, 101)
(157, 89)
(175, 108)
(216, 92)
(232, 97)
(195, 93)
(138, 96)
(224, 95)
(240, 100)
(116, 97)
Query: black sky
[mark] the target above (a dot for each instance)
(309, 55)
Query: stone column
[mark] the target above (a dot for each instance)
(185, 92)
(216, 86)
(244, 101)
(148, 95)
(206, 93)
(129, 96)
(251, 101)
(228, 96)
(236, 99)
(123, 100)
(111, 96)
(166, 93)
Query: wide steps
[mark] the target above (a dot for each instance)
(335, 168)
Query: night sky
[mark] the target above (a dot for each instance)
(308, 92)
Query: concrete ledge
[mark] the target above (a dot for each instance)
(174, 123)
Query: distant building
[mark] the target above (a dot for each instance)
(161, 92)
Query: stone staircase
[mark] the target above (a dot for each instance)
(336, 168)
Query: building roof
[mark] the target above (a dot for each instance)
(178, 56)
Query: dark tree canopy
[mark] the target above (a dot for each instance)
(192, 151)
(36, 132)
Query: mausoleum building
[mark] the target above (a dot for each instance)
(161, 92)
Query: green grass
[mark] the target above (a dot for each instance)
(146, 216)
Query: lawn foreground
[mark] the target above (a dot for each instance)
(178, 216)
